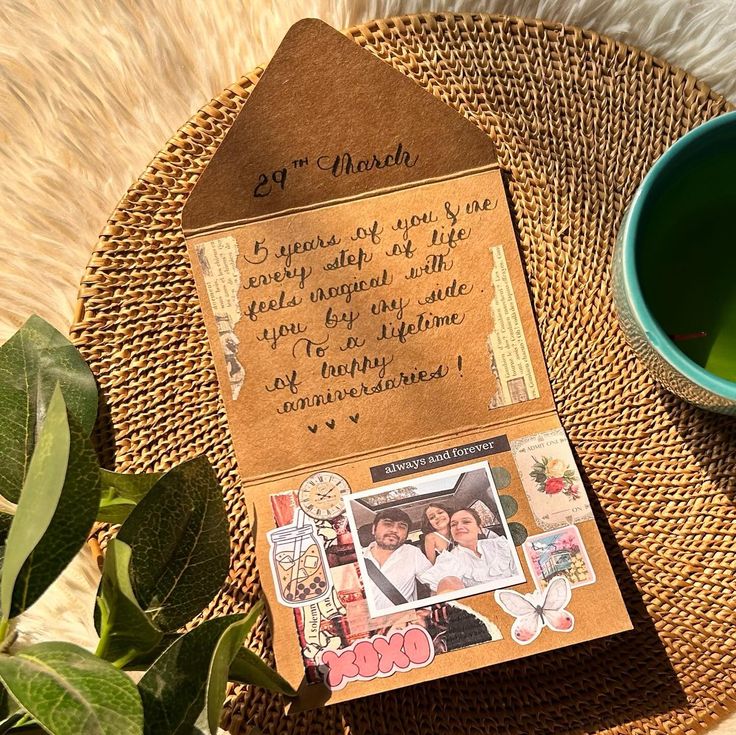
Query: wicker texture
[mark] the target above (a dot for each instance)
(578, 119)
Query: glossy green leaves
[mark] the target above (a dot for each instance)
(55, 511)
(32, 362)
(175, 696)
(125, 630)
(248, 668)
(168, 561)
(71, 692)
(121, 493)
(178, 536)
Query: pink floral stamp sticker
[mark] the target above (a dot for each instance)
(554, 476)
(551, 480)
(558, 553)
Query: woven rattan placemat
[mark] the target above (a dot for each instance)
(577, 119)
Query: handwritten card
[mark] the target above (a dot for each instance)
(385, 386)
(339, 309)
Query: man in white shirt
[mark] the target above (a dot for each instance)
(393, 566)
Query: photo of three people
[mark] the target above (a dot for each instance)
(431, 539)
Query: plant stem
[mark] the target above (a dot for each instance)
(104, 638)
(101, 649)
(4, 623)
(126, 659)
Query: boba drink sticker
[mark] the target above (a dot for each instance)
(298, 563)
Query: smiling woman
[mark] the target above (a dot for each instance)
(436, 530)
(473, 560)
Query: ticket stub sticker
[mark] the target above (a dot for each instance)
(551, 480)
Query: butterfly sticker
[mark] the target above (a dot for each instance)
(535, 610)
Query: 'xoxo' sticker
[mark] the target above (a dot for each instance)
(378, 656)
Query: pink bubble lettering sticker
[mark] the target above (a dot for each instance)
(376, 657)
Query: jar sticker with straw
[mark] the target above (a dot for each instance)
(298, 563)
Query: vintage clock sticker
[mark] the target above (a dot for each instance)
(320, 495)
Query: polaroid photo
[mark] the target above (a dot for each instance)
(433, 538)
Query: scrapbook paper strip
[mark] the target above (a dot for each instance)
(509, 355)
(218, 263)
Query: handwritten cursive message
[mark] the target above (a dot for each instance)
(373, 315)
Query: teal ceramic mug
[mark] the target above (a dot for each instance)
(674, 267)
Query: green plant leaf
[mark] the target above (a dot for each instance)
(231, 641)
(124, 628)
(180, 545)
(41, 493)
(55, 512)
(248, 668)
(121, 493)
(174, 689)
(71, 692)
(73, 518)
(32, 362)
(144, 660)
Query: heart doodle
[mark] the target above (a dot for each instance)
(330, 424)
(354, 418)
(312, 428)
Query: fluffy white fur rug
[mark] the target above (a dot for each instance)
(91, 89)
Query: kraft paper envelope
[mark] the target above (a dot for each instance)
(417, 507)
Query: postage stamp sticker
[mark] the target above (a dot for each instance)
(559, 553)
(551, 480)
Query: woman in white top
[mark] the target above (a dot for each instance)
(472, 560)
(436, 530)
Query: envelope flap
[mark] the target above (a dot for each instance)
(329, 120)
